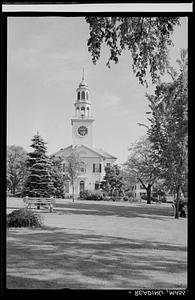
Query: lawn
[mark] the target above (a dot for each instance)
(103, 245)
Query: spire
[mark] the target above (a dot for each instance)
(83, 75)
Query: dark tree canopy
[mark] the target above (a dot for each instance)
(147, 39)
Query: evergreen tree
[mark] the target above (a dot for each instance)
(38, 183)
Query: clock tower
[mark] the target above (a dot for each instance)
(82, 120)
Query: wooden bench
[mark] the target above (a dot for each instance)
(39, 201)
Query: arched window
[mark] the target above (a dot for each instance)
(87, 107)
(82, 186)
(82, 108)
(78, 96)
(83, 95)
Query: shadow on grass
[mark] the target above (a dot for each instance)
(146, 211)
(52, 258)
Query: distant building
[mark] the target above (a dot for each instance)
(138, 191)
(93, 160)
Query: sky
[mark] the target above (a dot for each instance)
(45, 58)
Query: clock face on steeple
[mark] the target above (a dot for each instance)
(82, 130)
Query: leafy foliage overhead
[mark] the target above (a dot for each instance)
(146, 38)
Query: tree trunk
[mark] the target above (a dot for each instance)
(176, 211)
(13, 191)
(149, 194)
(73, 192)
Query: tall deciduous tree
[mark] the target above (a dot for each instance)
(16, 168)
(141, 163)
(146, 38)
(57, 177)
(38, 183)
(72, 170)
(168, 131)
(112, 182)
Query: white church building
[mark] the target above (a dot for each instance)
(93, 160)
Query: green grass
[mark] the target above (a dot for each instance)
(96, 246)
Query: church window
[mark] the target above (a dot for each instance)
(97, 168)
(78, 96)
(107, 164)
(83, 95)
(82, 168)
(87, 107)
(82, 108)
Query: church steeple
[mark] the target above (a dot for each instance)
(83, 103)
(82, 120)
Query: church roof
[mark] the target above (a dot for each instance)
(64, 152)
(104, 153)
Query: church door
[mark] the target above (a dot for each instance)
(82, 186)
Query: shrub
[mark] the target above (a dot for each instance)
(107, 198)
(90, 195)
(133, 199)
(23, 218)
(144, 197)
(129, 194)
(125, 198)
